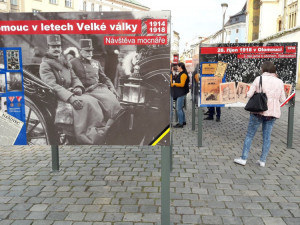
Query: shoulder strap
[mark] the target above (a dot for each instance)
(260, 83)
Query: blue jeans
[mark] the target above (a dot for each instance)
(254, 123)
(179, 109)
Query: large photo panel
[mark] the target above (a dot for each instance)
(229, 70)
(97, 78)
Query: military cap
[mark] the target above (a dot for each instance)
(53, 39)
(86, 44)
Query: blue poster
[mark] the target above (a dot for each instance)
(12, 99)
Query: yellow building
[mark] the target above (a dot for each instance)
(253, 11)
(70, 5)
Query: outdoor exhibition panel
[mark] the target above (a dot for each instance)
(227, 70)
(133, 49)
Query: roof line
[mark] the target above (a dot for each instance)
(136, 3)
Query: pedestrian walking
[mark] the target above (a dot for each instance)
(180, 89)
(273, 87)
(173, 75)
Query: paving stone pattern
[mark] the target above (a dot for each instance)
(120, 185)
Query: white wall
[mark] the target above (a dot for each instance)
(268, 18)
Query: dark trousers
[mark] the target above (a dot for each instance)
(212, 111)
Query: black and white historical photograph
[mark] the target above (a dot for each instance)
(3, 104)
(14, 81)
(245, 59)
(1, 60)
(2, 83)
(79, 90)
(13, 59)
(246, 69)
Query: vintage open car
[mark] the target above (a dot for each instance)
(144, 97)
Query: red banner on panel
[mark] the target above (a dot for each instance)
(290, 49)
(265, 56)
(141, 40)
(238, 50)
(157, 26)
(175, 59)
(70, 27)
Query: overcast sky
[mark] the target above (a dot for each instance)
(195, 17)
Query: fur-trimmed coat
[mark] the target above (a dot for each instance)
(58, 74)
(89, 125)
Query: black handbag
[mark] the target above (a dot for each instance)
(258, 102)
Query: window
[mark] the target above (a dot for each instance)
(92, 7)
(100, 8)
(68, 3)
(53, 2)
(279, 25)
(84, 6)
(2, 0)
(229, 32)
(292, 15)
(111, 9)
(14, 2)
(237, 30)
(35, 11)
(236, 40)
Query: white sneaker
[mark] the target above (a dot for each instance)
(260, 163)
(240, 161)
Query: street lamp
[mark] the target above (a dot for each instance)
(224, 7)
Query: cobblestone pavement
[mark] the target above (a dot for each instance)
(121, 185)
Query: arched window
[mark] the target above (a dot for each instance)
(84, 6)
(279, 25)
(92, 7)
(292, 14)
(100, 8)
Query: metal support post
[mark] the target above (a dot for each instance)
(55, 158)
(165, 184)
(200, 120)
(193, 113)
(176, 116)
(291, 123)
(171, 150)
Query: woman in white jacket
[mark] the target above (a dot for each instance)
(273, 87)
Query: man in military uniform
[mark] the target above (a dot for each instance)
(96, 83)
(56, 71)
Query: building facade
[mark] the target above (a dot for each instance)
(235, 28)
(190, 54)
(175, 38)
(274, 21)
(70, 5)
